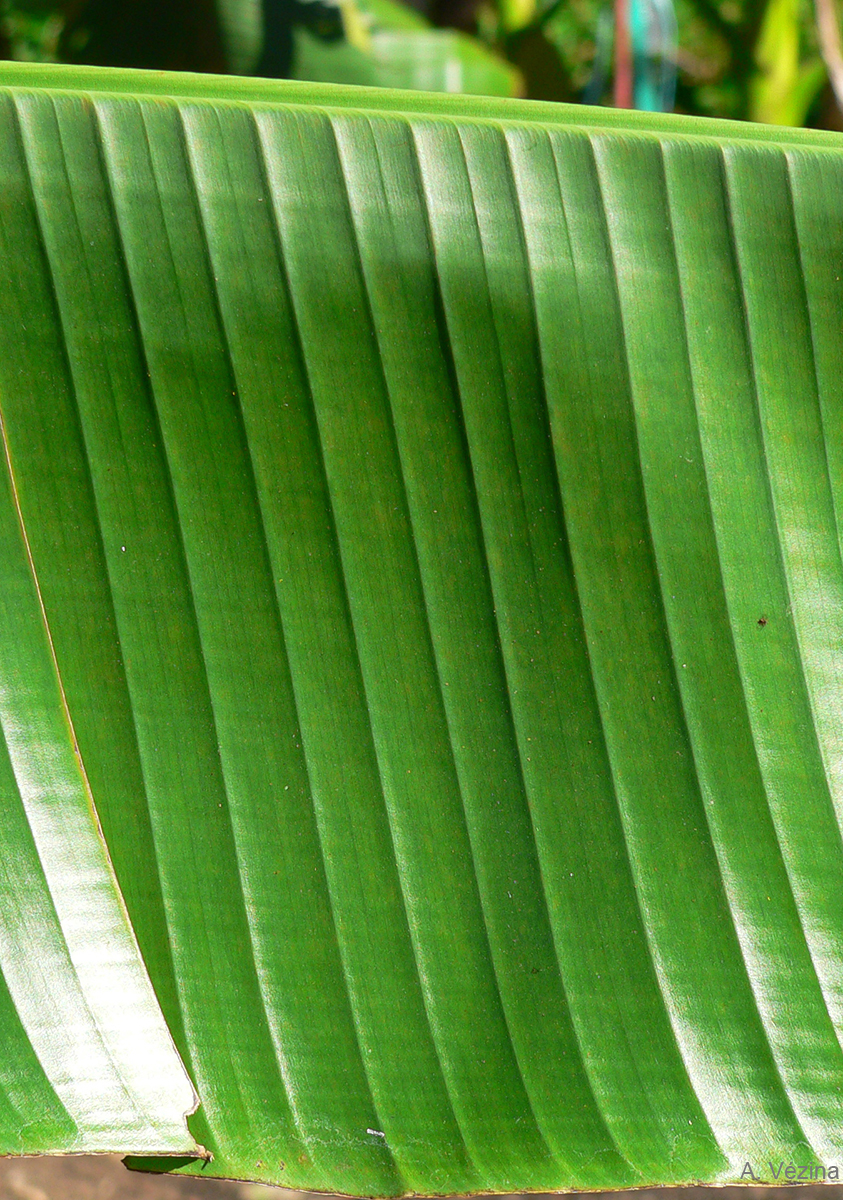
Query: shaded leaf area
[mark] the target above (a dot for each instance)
(436, 524)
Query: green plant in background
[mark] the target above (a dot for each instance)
(375, 42)
(397, 47)
(422, 599)
(784, 87)
(386, 44)
(32, 30)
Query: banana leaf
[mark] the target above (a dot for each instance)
(420, 564)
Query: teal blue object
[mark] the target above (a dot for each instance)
(654, 41)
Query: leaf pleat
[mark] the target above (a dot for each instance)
(88, 1063)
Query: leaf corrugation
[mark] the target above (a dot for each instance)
(435, 516)
(88, 1061)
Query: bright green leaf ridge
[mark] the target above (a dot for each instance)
(434, 505)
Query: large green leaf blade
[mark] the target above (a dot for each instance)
(434, 510)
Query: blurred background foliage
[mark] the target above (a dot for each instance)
(765, 60)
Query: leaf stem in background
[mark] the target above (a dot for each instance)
(623, 56)
(829, 35)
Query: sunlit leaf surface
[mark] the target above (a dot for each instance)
(434, 507)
